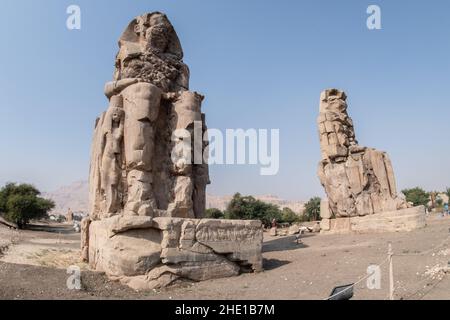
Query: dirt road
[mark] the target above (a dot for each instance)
(34, 268)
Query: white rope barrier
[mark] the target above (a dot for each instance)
(392, 287)
(420, 287)
(430, 277)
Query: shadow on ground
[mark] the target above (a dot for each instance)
(271, 264)
(63, 229)
(283, 244)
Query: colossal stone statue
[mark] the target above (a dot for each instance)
(131, 171)
(358, 181)
(148, 175)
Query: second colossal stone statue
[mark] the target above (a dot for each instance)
(358, 181)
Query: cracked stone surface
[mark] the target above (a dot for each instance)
(358, 180)
(174, 248)
(146, 201)
(132, 168)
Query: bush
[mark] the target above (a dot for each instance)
(289, 216)
(312, 209)
(417, 196)
(21, 203)
(248, 208)
(214, 213)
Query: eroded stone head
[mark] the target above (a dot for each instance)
(333, 100)
(337, 134)
(150, 50)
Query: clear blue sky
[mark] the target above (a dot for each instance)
(261, 64)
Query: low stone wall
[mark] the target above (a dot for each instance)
(393, 221)
(148, 253)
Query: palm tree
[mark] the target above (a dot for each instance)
(312, 209)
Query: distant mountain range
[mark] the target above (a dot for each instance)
(75, 196)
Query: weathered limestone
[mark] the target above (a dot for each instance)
(85, 224)
(162, 250)
(393, 221)
(358, 181)
(148, 177)
(132, 170)
(150, 50)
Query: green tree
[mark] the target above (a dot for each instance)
(13, 189)
(214, 213)
(312, 209)
(289, 216)
(248, 208)
(21, 203)
(417, 196)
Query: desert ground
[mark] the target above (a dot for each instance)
(33, 265)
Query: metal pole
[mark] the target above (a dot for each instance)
(391, 272)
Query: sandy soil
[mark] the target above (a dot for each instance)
(34, 267)
(48, 245)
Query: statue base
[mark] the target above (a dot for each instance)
(393, 221)
(147, 253)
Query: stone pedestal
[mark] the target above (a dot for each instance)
(148, 253)
(393, 221)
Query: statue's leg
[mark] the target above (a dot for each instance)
(141, 104)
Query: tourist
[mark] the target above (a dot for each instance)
(274, 223)
(446, 209)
